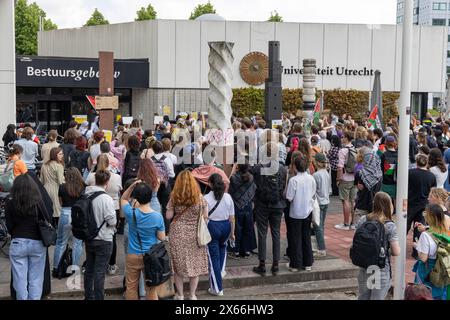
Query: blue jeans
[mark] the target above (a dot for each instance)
(125, 247)
(27, 263)
(64, 233)
(319, 229)
(217, 251)
(244, 231)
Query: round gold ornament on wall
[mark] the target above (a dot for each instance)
(254, 68)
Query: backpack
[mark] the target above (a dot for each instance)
(84, 226)
(351, 162)
(64, 264)
(76, 160)
(157, 267)
(132, 166)
(270, 191)
(440, 275)
(370, 245)
(7, 178)
(162, 168)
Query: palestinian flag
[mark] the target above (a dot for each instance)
(388, 169)
(91, 100)
(373, 118)
(316, 117)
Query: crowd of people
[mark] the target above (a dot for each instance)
(153, 185)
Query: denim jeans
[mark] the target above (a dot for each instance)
(125, 247)
(64, 233)
(98, 253)
(319, 229)
(373, 285)
(244, 229)
(27, 263)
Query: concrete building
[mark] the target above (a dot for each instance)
(177, 52)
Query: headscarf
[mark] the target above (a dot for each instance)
(371, 173)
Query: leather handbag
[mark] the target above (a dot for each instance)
(203, 235)
(47, 231)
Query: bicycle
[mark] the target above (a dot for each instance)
(5, 238)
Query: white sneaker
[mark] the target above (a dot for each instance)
(293, 269)
(177, 297)
(223, 274)
(353, 227)
(308, 268)
(342, 226)
(212, 292)
(112, 269)
(320, 254)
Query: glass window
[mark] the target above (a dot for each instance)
(400, 5)
(448, 39)
(448, 53)
(438, 22)
(416, 11)
(442, 6)
(400, 19)
(448, 70)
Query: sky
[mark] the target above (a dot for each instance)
(74, 13)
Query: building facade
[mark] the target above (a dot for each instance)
(347, 56)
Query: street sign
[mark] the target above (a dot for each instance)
(106, 102)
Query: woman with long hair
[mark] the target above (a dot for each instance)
(52, 176)
(427, 248)
(242, 191)
(119, 148)
(389, 161)
(382, 213)
(113, 189)
(148, 173)
(221, 228)
(27, 253)
(438, 196)
(80, 156)
(146, 228)
(46, 147)
(132, 158)
(68, 193)
(68, 145)
(333, 160)
(186, 206)
(94, 149)
(10, 135)
(437, 167)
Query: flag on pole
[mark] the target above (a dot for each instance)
(373, 118)
(316, 117)
(91, 100)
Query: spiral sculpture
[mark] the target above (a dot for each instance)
(220, 94)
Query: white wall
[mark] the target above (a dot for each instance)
(178, 50)
(7, 64)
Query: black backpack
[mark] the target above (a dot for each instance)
(370, 245)
(76, 160)
(84, 226)
(132, 166)
(64, 264)
(157, 267)
(270, 191)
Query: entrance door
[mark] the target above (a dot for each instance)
(53, 115)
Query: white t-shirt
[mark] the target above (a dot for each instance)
(440, 176)
(224, 210)
(301, 190)
(171, 156)
(95, 152)
(427, 245)
(112, 189)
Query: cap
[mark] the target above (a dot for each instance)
(390, 138)
(320, 157)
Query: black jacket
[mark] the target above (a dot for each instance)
(260, 200)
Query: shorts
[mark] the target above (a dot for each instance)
(347, 190)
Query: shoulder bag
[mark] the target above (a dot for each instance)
(203, 235)
(46, 229)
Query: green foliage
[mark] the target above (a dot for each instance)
(27, 26)
(148, 13)
(275, 17)
(96, 19)
(246, 101)
(202, 9)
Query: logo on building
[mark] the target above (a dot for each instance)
(254, 68)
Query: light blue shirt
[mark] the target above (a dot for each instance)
(30, 152)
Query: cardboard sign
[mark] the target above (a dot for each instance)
(108, 135)
(118, 117)
(80, 118)
(127, 120)
(277, 124)
(167, 110)
(106, 102)
(158, 119)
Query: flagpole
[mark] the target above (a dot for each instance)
(403, 149)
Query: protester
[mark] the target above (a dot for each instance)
(300, 192)
(147, 152)
(146, 228)
(322, 194)
(69, 192)
(221, 227)
(30, 149)
(333, 159)
(79, 157)
(10, 135)
(98, 251)
(389, 167)
(94, 149)
(131, 162)
(427, 249)
(242, 191)
(437, 167)
(27, 253)
(52, 176)
(15, 160)
(186, 206)
(203, 172)
(46, 147)
(68, 145)
(113, 162)
(382, 213)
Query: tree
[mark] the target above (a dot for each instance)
(27, 18)
(202, 9)
(96, 19)
(148, 13)
(275, 17)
